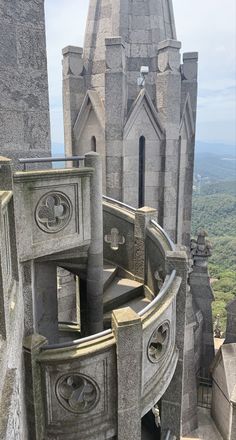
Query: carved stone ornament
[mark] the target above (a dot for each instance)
(158, 342)
(77, 393)
(114, 239)
(53, 212)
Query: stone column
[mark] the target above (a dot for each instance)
(34, 391)
(115, 110)
(73, 92)
(127, 327)
(203, 297)
(95, 253)
(143, 216)
(45, 301)
(168, 100)
(231, 323)
(189, 89)
(172, 401)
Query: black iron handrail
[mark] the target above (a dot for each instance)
(26, 161)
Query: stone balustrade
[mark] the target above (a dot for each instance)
(95, 385)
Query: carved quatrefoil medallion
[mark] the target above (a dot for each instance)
(77, 393)
(53, 212)
(158, 342)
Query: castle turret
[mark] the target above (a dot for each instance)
(135, 104)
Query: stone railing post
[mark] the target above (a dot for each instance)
(33, 393)
(127, 328)
(5, 174)
(143, 216)
(95, 255)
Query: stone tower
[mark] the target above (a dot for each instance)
(24, 105)
(143, 124)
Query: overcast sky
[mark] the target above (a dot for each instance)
(206, 26)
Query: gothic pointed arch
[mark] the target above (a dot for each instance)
(143, 103)
(92, 104)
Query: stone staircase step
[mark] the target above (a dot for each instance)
(109, 273)
(120, 291)
(136, 304)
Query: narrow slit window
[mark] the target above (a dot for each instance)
(141, 195)
(93, 143)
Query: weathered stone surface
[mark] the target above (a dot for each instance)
(24, 107)
(224, 386)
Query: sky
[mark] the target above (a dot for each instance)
(206, 26)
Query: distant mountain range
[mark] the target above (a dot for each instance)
(219, 149)
(212, 161)
(215, 161)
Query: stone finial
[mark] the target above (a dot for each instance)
(190, 66)
(115, 54)
(168, 55)
(201, 249)
(72, 61)
(217, 327)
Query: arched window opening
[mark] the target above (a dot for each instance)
(141, 191)
(93, 143)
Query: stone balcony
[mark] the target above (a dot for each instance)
(100, 385)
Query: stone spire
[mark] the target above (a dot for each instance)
(141, 25)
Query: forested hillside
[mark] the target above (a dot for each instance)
(214, 209)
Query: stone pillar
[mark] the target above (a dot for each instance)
(168, 86)
(95, 253)
(143, 216)
(172, 401)
(6, 181)
(189, 415)
(45, 301)
(127, 327)
(189, 84)
(73, 92)
(230, 336)
(33, 384)
(24, 111)
(203, 296)
(189, 89)
(115, 111)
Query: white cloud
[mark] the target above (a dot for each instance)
(206, 26)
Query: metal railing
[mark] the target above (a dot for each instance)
(204, 391)
(26, 161)
(164, 234)
(160, 295)
(77, 341)
(150, 306)
(117, 202)
(108, 332)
